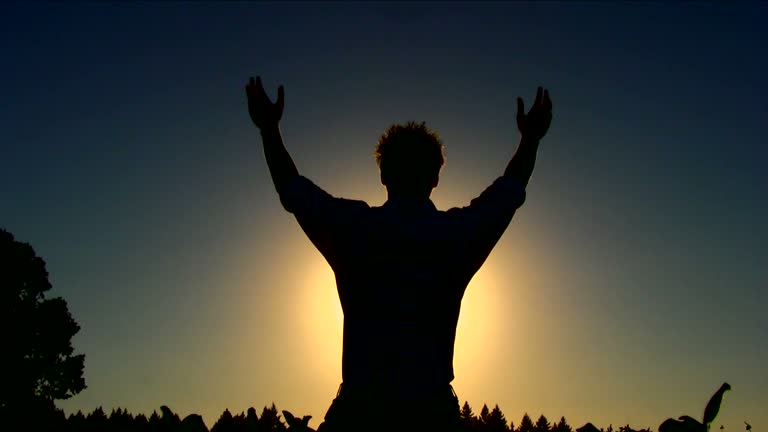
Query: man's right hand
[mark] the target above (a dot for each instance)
(264, 113)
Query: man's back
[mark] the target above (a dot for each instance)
(401, 271)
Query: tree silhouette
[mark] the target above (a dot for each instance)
(542, 424)
(154, 424)
(76, 422)
(562, 426)
(169, 420)
(240, 422)
(97, 420)
(251, 420)
(225, 423)
(140, 423)
(192, 423)
(120, 420)
(490, 420)
(468, 418)
(37, 365)
(482, 420)
(495, 422)
(526, 424)
(270, 420)
(589, 427)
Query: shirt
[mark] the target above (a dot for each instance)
(401, 271)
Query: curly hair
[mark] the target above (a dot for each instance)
(410, 152)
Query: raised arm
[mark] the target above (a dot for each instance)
(533, 126)
(266, 116)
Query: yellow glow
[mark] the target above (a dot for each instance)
(323, 319)
(477, 329)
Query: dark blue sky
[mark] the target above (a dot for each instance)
(636, 271)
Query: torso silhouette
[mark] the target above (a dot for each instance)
(401, 271)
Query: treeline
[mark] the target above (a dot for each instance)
(270, 420)
(493, 420)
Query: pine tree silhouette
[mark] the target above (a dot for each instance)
(270, 420)
(468, 418)
(526, 424)
(225, 423)
(562, 426)
(542, 424)
(496, 421)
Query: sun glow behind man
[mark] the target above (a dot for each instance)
(478, 331)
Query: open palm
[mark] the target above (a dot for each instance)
(535, 124)
(263, 112)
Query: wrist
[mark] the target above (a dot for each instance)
(529, 142)
(270, 130)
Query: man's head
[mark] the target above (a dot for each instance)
(410, 157)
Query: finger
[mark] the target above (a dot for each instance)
(280, 100)
(249, 86)
(520, 110)
(538, 97)
(260, 89)
(547, 101)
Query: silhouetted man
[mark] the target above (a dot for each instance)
(402, 268)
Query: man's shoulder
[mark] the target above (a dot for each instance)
(303, 193)
(355, 204)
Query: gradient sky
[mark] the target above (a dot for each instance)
(630, 285)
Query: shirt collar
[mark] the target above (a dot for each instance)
(410, 205)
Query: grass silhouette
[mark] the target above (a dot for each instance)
(687, 423)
